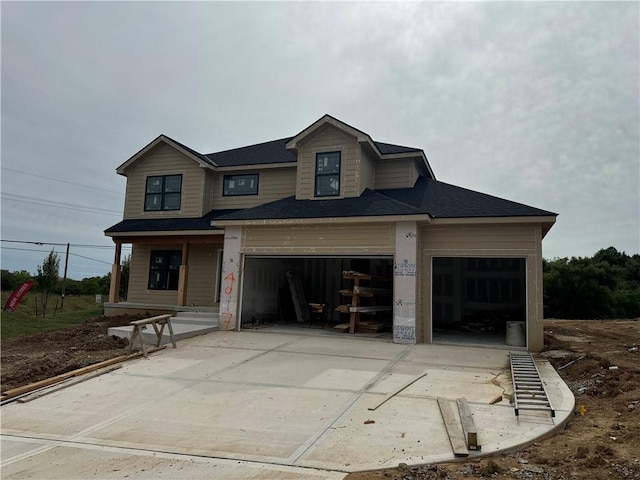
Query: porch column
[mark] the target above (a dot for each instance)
(230, 281)
(404, 283)
(184, 275)
(116, 270)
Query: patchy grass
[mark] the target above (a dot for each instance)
(77, 309)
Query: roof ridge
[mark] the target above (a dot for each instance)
(283, 139)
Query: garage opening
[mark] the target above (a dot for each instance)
(317, 292)
(479, 301)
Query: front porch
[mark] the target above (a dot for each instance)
(132, 308)
(187, 322)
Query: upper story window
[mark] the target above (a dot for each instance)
(164, 269)
(163, 192)
(240, 185)
(328, 174)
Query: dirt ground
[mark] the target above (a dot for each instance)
(602, 440)
(33, 358)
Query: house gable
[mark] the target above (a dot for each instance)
(202, 160)
(164, 159)
(328, 138)
(367, 164)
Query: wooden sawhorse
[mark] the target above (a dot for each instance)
(139, 325)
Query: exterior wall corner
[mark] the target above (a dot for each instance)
(405, 284)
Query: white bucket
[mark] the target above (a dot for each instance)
(516, 334)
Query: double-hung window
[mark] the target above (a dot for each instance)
(164, 269)
(163, 192)
(240, 185)
(327, 174)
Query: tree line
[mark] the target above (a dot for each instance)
(604, 286)
(47, 280)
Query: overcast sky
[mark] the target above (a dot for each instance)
(533, 102)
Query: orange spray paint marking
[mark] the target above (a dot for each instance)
(227, 318)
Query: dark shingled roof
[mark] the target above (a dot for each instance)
(388, 148)
(428, 196)
(267, 152)
(443, 200)
(168, 224)
(276, 152)
(370, 203)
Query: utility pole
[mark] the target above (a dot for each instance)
(64, 280)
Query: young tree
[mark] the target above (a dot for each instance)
(47, 278)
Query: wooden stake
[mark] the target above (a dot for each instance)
(398, 390)
(468, 425)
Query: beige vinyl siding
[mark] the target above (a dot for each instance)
(368, 168)
(329, 139)
(139, 277)
(374, 239)
(165, 160)
(396, 173)
(209, 178)
(203, 269)
(273, 184)
(492, 240)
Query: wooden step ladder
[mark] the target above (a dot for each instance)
(528, 390)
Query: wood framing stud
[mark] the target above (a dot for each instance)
(468, 425)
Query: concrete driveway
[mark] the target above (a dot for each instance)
(268, 405)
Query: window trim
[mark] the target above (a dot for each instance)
(236, 176)
(165, 271)
(338, 175)
(163, 193)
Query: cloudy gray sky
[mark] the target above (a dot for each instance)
(534, 102)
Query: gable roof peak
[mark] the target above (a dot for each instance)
(201, 159)
(327, 119)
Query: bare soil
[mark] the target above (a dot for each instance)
(33, 358)
(601, 441)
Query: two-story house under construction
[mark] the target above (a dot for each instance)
(358, 225)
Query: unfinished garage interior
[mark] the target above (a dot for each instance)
(479, 300)
(318, 291)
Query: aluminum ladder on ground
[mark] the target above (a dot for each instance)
(528, 390)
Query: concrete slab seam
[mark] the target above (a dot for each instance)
(315, 438)
(153, 453)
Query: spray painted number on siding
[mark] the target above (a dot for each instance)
(227, 315)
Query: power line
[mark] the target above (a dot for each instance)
(35, 243)
(109, 247)
(61, 181)
(63, 244)
(45, 251)
(54, 204)
(89, 258)
(26, 249)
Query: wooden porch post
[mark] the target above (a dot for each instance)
(116, 269)
(184, 274)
